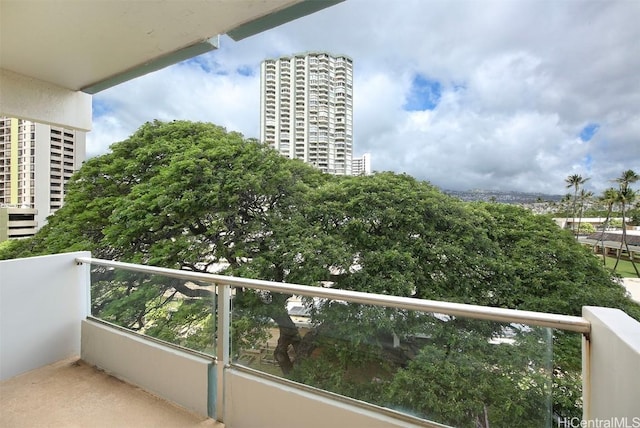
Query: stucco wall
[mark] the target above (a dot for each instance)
(612, 367)
(42, 302)
(32, 99)
(252, 401)
(166, 372)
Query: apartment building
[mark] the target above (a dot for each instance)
(361, 165)
(307, 109)
(36, 162)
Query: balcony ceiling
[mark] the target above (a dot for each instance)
(91, 45)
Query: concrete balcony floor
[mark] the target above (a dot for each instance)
(71, 393)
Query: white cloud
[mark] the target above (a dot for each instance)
(520, 80)
(185, 91)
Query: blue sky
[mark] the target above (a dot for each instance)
(505, 95)
(589, 131)
(423, 94)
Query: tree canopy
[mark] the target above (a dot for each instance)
(193, 196)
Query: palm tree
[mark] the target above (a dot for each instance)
(565, 202)
(575, 181)
(609, 197)
(626, 196)
(584, 197)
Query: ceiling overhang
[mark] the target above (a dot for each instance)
(89, 46)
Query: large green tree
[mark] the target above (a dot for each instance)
(180, 194)
(193, 196)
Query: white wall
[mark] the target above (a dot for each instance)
(169, 373)
(611, 366)
(252, 401)
(42, 301)
(32, 99)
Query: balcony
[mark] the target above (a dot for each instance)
(58, 346)
(73, 393)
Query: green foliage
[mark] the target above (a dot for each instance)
(586, 229)
(150, 304)
(464, 383)
(8, 248)
(539, 259)
(391, 234)
(177, 194)
(615, 222)
(248, 332)
(188, 323)
(634, 216)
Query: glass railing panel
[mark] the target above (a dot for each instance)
(255, 334)
(450, 370)
(174, 310)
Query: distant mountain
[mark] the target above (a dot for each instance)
(503, 197)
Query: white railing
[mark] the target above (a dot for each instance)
(610, 356)
(225, 284)
(58, 302)
(558, 321)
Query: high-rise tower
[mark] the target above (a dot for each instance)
(36, 161)
(306, 109)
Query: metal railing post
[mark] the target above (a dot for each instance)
(222, 346)
(586, 377)
(84, 276)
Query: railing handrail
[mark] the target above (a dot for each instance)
(542, 319)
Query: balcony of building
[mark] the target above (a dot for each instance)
(63, 363)
(70, 392)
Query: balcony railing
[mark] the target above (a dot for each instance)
(232, 361)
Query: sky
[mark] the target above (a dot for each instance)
(511, 95)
